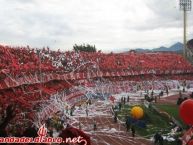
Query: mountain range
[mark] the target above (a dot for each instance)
(177, 47)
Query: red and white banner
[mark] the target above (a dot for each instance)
(187, 136)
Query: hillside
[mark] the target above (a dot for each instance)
(177, 47)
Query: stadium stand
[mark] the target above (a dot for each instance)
(31, 76)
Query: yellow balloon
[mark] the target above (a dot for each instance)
(137, 112)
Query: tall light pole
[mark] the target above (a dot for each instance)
(185, 5)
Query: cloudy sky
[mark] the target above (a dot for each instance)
(112, 25)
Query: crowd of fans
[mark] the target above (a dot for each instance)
(22, 62)
(17, 61)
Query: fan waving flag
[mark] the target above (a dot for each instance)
(112, 99)
(71, 132)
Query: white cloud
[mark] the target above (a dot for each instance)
(109, 24)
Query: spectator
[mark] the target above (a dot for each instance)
(156, 138)
(86, 111)
(161, 140)
(128, 124)
(115, 118)
(120, 106)
(191, 95)
(94, 126)
(128, 98)
(133, 130)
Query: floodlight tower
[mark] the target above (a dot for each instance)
(185, 5)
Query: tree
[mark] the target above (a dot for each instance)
(85, 48)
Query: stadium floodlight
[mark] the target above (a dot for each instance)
(185, 5)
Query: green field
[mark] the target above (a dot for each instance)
(155, 121)
(171, 110)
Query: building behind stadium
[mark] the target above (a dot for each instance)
(190, 50)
